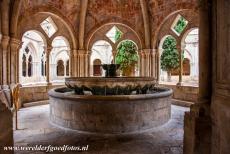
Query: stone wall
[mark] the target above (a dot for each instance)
(6, 125)
(110, 114)
(184, 93)
(35, 93)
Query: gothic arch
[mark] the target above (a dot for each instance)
(137, 38)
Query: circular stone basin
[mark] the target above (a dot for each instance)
(112, 114)
(110, 86)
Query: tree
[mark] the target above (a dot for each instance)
(170, 56)
(127, 57)
(117, 35)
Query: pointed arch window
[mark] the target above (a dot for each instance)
(43, 64)
(30, 66)
(27, 63)
(60, 68)
(67, 68)
(24, 65)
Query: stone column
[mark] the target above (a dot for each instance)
(140, 63)
(36, 72)
(159, 64)
(15, 46)
(180, 51)
(197, 122)
(6, 128)
(114, 56)
(205, 55)
(81, 63)
(0, 55)
(145, 62)
(73, 63)
(153, 63)
(48, 51)
(64, 69)
(86, 55)
(5, 43)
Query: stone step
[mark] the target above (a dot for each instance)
(38, 103)
(181, 103)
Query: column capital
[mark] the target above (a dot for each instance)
(47, 49)
(146, 52)
(183, 45)
(5, 41)
(82, 52)
(15, 43)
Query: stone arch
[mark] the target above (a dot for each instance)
(36, 48)
(164, 27)
(194, 61)
(47, 11)
(90, 40)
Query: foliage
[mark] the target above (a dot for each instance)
(180, 25)
(170, 56)
(117, 35)
(127, 55)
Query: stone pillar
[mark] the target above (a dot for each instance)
(86, 55)
(0, 56)
(73, 63)
(6, 128)
(64, 69)
(197, 122)
(114, 56)
(145, 62)
(15, 45)
(48, 51)
(37, 73)
(180, 51)
(153, 64)
(81, 63)
(159, 64)
(140, 63)
(5, 43)
(205, 54)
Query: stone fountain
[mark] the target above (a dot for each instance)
(111, 104)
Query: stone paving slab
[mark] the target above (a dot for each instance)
(35, 129)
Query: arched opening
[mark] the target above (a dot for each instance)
(97, 67)
(186, 67)
(30, 65)
(59, 59)
(102, 51)
(168, 60)
(60, 68)
(127, 57)
(67, 68)
(32, 58)
(190, 42)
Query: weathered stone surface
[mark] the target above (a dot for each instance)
(110, 114)
(36, 129)
(185, 93)
(6, 126)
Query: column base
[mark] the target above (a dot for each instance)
(49, 84)
(179, 84)
(197, 129)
